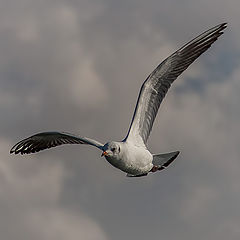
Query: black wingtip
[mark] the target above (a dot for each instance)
(12, 150)
(223, 25)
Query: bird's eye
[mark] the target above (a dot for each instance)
(113, 149)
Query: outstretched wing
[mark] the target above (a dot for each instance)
(46, 140)
(159, 81)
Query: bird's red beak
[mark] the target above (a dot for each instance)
(104, 154)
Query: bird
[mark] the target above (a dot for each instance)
(131, 154)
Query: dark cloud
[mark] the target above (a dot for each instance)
(77, 66)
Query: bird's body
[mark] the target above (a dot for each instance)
(132, 159)
(131, 155)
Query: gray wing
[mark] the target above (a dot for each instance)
(159, 81)
(46, 140)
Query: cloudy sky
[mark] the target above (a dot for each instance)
(77, 66)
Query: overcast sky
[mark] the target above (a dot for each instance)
(77, 66)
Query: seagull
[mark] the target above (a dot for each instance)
(131, 154)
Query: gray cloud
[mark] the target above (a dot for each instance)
(77, 66)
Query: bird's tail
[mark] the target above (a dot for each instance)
(164, 160)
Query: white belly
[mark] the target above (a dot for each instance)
(133, 160)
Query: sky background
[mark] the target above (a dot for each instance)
(77, 66)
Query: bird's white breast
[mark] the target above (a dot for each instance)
(132, 159)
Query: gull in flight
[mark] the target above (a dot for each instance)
(131, 154)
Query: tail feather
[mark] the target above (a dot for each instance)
(164, 160)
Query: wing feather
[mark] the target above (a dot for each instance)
(47, 140)
(159, 81)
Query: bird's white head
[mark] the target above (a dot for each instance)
(111, 149)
